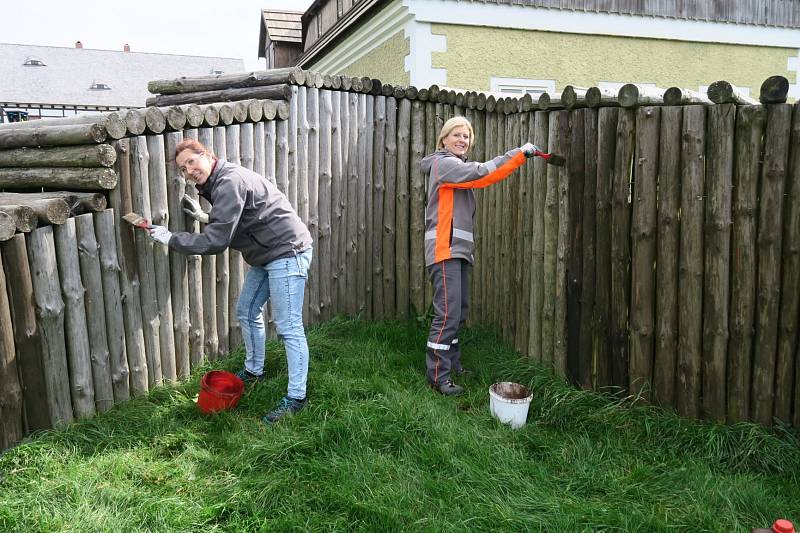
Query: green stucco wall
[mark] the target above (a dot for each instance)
(475, 54)
(386, 62)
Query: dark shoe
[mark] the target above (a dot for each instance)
(287, 406)
(447, 387)
(464, 372)
(249, 377)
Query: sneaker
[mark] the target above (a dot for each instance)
(447, 387)
(249, 377)
(287, 406)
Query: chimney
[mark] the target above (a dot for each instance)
(126, 48)
(78, 44)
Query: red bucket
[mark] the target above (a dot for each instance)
(219, 390)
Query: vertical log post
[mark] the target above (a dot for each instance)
(337, 178)
(222, 281)
(379, 188)
(140, 199)
(361, 210)
(607, 118)
(313, 157)
(787, 364)
(207, 301)
(690, 266)
(770, 228)
(179, 277)
(27, 333)
(112, 300)
(324, 259)
(351, 204)
(92, 280)
(389, 228)
(50, 315)
(576, 167)
(621, 248)
(402, 252)
(156, 172)
(417, 279)
(643, 251)
(79, 358)
(749, 138)
(717, 239)
(121, 202)
(668, 240)
(12, 428)
(585, 343)
(539, 168)
(239, 151)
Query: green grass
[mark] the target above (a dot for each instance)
(377, 450)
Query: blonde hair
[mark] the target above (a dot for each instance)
(452, 124)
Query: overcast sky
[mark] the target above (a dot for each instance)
(163, 26)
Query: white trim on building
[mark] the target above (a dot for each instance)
(564, 21)
(379, 29)
(418, 62)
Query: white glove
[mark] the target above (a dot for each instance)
(192, 208)
(160, 234)
(529, 149)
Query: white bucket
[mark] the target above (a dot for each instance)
(509, 402)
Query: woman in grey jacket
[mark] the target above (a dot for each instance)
(251, 215)
(449, 242)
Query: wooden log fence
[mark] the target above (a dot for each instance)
(686, 297)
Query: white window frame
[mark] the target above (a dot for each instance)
(520, 86)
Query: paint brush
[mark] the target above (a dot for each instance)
(137, 220)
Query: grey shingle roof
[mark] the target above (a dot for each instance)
(69, 72)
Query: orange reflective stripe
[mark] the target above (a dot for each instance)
(444, 225)
(500, 174)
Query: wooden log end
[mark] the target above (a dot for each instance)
(194, 115)
(269, 110)
(210, 115)
(240, 111)
(134, 122)
(283, 110)
(154, 120)
(297, 76)
(57, 212)
(543, 103)
(115, 125)
(569, 97)
(225, 114)
(107, 179)
(720, 92)
(255, 110)
(673, 95)
(593, 96)
(628, 95)
(7, 226)
(774, 90)
(176, 118)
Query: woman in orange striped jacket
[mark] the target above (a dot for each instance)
(449, 243)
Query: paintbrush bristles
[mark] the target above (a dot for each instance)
(556, 160)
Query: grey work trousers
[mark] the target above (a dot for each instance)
(450, 280)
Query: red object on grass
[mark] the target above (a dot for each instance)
(782, 526)
(219, 390)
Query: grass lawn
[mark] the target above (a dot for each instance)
(377, 450)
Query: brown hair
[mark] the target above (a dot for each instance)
(193, 145)
(452, 124)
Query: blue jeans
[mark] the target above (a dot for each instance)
(283, 282)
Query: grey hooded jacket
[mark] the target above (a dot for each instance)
(451, 202)
(248, 214)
